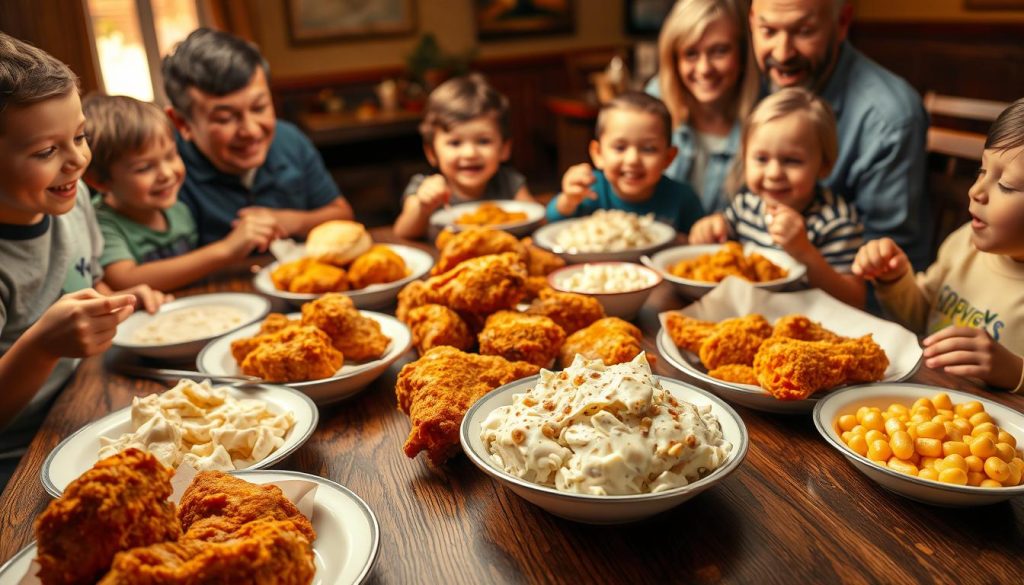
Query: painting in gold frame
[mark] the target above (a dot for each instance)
(499, 19)
(311, 21)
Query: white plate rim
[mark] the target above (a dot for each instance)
(853, 455)
(735, 458)
(286, 474)
(189, 301)
(262, 283)
(544, 237)
(275, 457)
(797, 272)
(537, 209)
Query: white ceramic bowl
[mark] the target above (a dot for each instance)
(547, 236)
(694, 289)
(602, 509)
(253, 306)
(624, 305)
(376, 295)
(848, 400)
(216, 359)
(77, 453)
(446, 217)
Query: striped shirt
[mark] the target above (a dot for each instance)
(833, 226)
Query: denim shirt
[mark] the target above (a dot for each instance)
(882, 128)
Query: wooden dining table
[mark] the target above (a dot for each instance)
(795, 511)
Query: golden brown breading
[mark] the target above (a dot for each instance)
(307, 275)
(412, 295)
(735, 341)
(800, 327)
(275, 322)
(533, 286)
(473, 243)
(437, 389)
(359, 338)
(870, 361)
(611, 340)
(489, 213)
(377, 266)
(540, 262)
(735, 373)
(119, 504)
(285, 272)
(294, 355)
(243, 346)
(570, 311)
(791, 369)
(482, 285)
(436, 325)
(728, 261)
(688, 333)
(514, 336)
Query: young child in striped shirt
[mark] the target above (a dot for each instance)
(788, 145)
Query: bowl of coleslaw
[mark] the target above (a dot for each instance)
(620, 287)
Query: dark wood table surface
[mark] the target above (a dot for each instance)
(794, 512)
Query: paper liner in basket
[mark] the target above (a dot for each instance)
(736, 297)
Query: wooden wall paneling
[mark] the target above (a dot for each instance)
(59, 28)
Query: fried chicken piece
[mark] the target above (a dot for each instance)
(482, 285)
(800, 327)
(764, 269)
(533, 286)
(539, 261)
(437, 389)
(293, 355)
(216, 503)
(379, 265)
(263, 552)
(278, 333)
(359, 338)
(734, 341)
(435, 325)
(308, 275)
(514, 336)
(611, 340)
(490, 214)
(870, 361)
(283, 275)
(728, 261)
(119, 504)
(275, 322)
(570, 311)
(415, 294)
(456, 248)
(735, 373)
(792, 369)
(688, 333)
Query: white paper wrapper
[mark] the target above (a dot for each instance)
(735, 297)
(301, 493)
(286, 250)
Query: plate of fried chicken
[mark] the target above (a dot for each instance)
(776, 351)
(329, 351)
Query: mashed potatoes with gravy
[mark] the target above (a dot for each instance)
(203, 426)
(604, 430)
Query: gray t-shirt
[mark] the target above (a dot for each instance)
(503, 185)
(42, 262)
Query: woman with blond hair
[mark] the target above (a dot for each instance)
(708, 79)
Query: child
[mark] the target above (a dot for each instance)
(149, 235)
(632, 149)
(970, 302)
(49, 242)
(466, 138)
(789, 144)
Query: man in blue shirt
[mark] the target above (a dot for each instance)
(240, 159)
(881, 121)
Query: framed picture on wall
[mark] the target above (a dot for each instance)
(333, 20)
(501, 19)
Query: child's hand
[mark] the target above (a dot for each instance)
(788, 230)
(881, 260)
(148, 298)
(576, 186)
(433, 193)
(82, 323)
(969, 351)
(278, 218)
(712, 229)
(251, 232)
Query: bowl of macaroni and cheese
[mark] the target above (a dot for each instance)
(605, 235)
(620, 287)
(604, 444)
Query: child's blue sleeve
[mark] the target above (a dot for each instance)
(587, 206)
(690, 210)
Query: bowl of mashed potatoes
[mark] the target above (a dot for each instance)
(604, 444)
(184, 326)
(605, 235)
(620, 287)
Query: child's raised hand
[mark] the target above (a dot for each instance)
(433, 193)
(250, 232)
(278, 218)
(881, 260)
(149, 298)
(712, 229)
(576, 186)
(970, 351)
(82, 323)
(788, 230)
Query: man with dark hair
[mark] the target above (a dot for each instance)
(240, 159)
(881, 121)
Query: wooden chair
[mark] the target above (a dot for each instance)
(948, 187)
